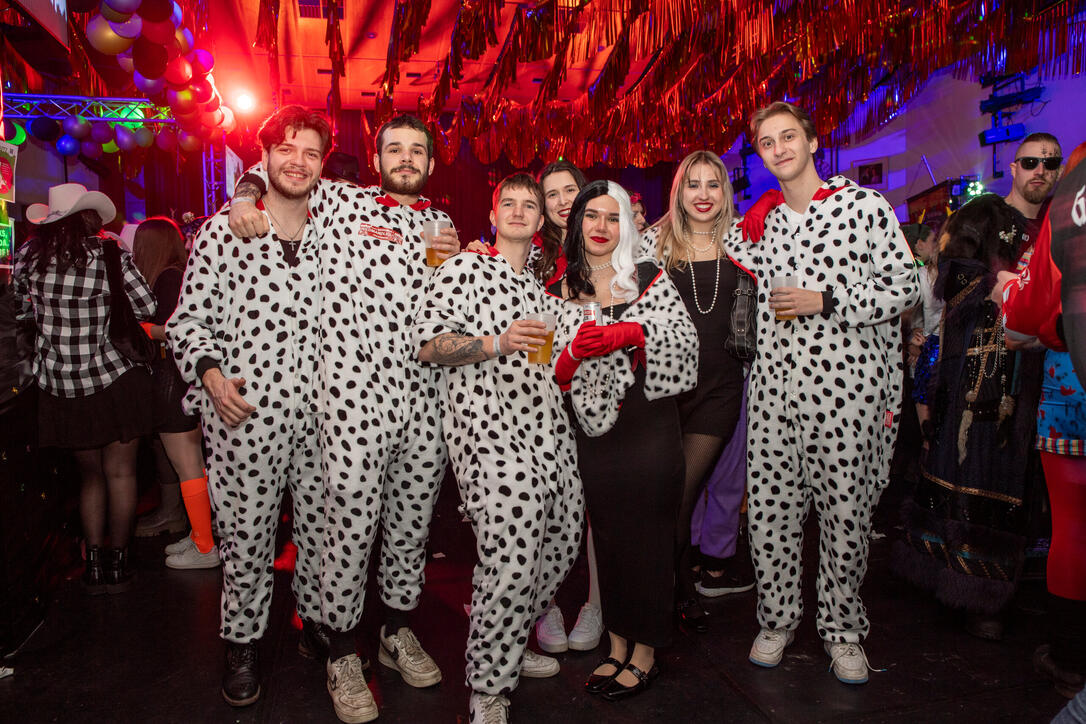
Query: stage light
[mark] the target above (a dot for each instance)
(975, 188)
(244, 102)
(1002, 134)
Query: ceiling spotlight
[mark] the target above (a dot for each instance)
(244, 102)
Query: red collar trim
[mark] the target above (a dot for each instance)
(260, 205)
(419, 205)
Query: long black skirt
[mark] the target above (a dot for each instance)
(633, 478)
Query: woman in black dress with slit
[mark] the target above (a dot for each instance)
(621, 374)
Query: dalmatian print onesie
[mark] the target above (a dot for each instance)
(515, 461)
(382, 447)
(824, 395)
(245, 307)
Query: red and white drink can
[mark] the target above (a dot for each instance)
(592, 312)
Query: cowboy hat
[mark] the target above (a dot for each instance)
(67, 199)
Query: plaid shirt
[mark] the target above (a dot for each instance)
(74, 355)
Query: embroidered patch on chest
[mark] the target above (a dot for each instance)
(888, 419)
(380, 232)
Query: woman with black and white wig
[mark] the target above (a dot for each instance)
(621, 372)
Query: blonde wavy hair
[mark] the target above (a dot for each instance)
(674, 225)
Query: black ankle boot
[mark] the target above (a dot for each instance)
(94, 576)
(241, 681)
(119, 571)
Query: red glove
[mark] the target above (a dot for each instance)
(571, 357)
(753, 223)
(147, 328)
(599, 341)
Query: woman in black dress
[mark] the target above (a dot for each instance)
(159, 254)
(622, 373)
(688, 243)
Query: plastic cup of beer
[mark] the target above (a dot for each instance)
(542, 356)
(785, 280)
(431, 229)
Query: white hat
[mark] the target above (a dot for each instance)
(67, 199)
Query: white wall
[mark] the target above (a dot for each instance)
(941, 124)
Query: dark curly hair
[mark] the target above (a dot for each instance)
(986, 229)
(295, 118)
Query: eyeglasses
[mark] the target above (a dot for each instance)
(1029, 163)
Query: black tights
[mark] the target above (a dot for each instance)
(108, 482)
(701, 453)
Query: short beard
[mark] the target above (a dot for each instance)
(408, 188)
(286, 193)
(1036, 195)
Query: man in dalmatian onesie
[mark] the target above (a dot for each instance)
(510, 440)
(244, 334)
(825, 388)
(383, 451)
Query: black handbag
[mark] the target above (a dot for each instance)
(124, 331)
(742, 340)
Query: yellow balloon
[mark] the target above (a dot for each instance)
(102, 38)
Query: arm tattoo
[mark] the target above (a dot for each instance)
(247, 189)
(457, 349)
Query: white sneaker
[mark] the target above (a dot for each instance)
(402, 652)
(550, 631)
(162, 521)
(191, 557)
(351, 698)
(488, 709)
(538, 666)
(848, 662)
(180, 546)
(769, 645)
(586, 633)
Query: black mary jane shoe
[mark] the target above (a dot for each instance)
(598, 682)
(617, 692)
(692, 616)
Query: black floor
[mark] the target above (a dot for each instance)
(153, 655)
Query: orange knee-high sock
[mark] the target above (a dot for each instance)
(198, 506)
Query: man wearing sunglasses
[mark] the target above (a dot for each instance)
(1035, 170)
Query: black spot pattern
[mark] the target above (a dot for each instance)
(821, 389)
(243, 306)
(514, 456)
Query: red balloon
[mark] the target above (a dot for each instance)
(158, 32)
(229, 122)
(212, 118)
(212, 103)
(150, 58)
(202, 89)
(156, 10)
(178, 71)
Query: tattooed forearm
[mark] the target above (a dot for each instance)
(454, 350)
(247, 189)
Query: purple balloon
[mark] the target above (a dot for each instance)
(178, 15)
(67, 145)
(90, 149)
(126, 139)
(145, 138)
(124, 6)
(202, 61)
(76, 126)
(130, 28)
(150, 86)
(166, 140)
(101, 132)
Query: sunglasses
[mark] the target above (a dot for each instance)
(1030, 162)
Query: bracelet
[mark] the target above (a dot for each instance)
(497, 345)
(242, 200)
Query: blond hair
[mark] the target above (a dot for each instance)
(775, 109)
(675, 224)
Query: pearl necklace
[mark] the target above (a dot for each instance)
(703, 249)
(693, 279)
(598, 267)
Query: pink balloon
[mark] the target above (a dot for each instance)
(125, 61)
(202, 61)
(178, 71)
(202, 89)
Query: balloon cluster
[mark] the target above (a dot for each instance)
(75, 135)
(150, 41)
